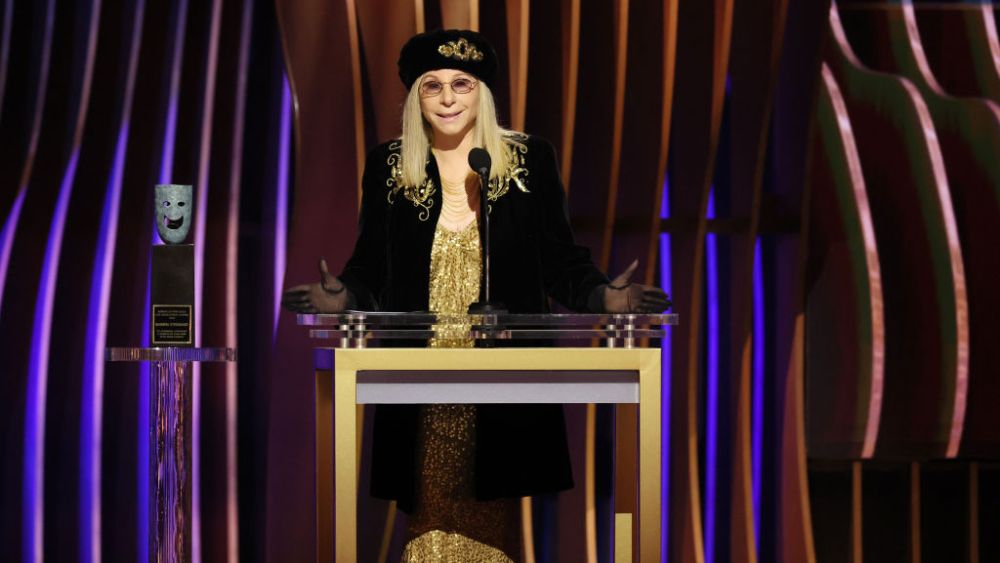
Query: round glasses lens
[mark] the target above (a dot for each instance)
(431, 88)
(462, 85)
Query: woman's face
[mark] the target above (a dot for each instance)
(449, 101)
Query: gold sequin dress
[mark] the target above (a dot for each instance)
(448, 523)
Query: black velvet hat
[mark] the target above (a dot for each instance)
(459, 49)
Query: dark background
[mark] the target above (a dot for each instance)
(817, 186)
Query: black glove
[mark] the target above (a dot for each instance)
(623, 296)
(330, 295)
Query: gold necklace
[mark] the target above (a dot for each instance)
(453, 184)
(455, 210)
(455, 207)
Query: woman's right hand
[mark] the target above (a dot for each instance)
(330, 295)
(623, 296)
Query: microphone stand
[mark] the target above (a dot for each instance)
(486, 307)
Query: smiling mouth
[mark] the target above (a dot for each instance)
(449, 116)
(173, 224)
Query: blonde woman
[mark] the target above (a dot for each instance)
(458, 470)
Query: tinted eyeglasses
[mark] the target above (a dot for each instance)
(462, 85)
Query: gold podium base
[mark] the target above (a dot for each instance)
(581, 375)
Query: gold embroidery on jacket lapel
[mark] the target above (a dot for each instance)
(515, 172)
(420, 196)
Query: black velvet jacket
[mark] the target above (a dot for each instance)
(521, 449)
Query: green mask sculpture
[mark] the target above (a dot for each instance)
(174, 206)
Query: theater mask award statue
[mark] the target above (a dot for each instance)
(172, 285)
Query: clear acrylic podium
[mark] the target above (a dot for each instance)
(559, 368)
(170, 418)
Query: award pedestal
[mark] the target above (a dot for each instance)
(170, 416)
(171, 295)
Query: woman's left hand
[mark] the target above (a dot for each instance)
(623, 296)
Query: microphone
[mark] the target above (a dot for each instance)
(479, 161)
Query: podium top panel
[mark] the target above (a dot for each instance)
(169, 354)
(358, 327)
(546, 320)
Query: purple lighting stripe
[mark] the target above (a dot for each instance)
(167, 163)
(92, 414)
(200, 218)
(201, 205)
(142, 448)
(10, 226)
(757, 428)
(201, 193)
(665, 371)
(665, 200)
(33, 495)
(170, 131)
(232, 289)
(32, 482)
(281, 207)
(712, 391)
(38, 376)
(7, 238)
(170, 136)
(93, 377)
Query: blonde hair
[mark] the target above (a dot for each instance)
(486, 133)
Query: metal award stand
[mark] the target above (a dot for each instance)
(170, 418)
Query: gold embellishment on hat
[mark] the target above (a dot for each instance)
(460, 50)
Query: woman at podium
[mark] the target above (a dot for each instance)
(459, 470)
